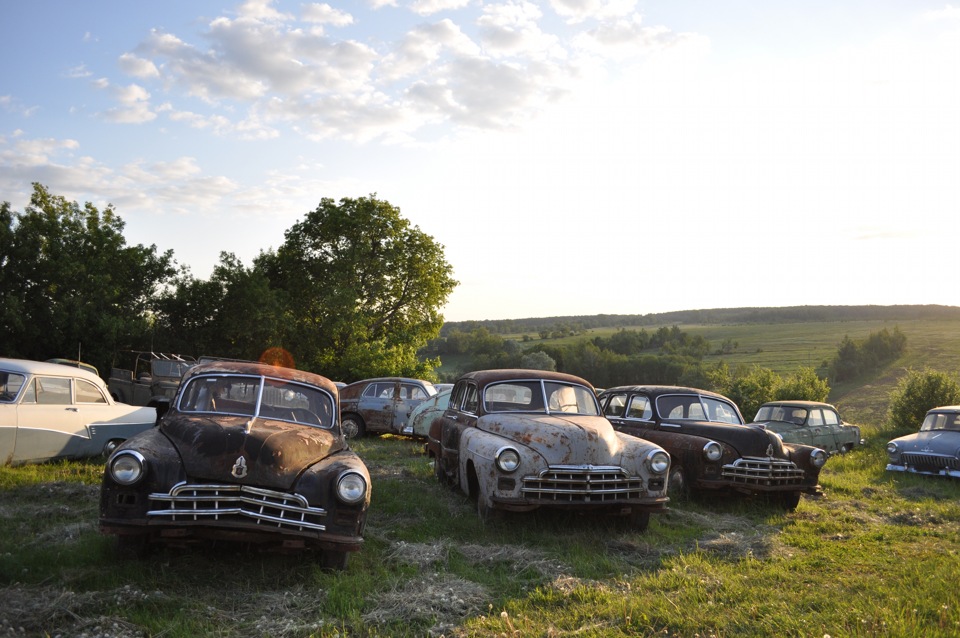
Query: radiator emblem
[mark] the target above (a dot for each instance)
(239, 468)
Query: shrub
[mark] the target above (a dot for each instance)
(917, 393)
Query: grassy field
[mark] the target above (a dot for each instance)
(877, 555)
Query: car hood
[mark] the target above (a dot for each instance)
(933, 441)
(561, 440)
(273, 453)
(748, 440)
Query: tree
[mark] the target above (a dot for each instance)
(917, 393)
(70, 285)
(360, 290)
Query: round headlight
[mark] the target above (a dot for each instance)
(818, 457)
(127, 467)
(658, 462)
(351, 488)
(713, 451)
(892, 447)
(508, 459)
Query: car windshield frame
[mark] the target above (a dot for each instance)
(539, 396)
(258, 397)
(708, 408)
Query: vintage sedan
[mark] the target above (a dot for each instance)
(934, 450)
(53, 411)
(247, 452)
(710, 447)
(524, 439)
(809, 423)
(381, 405)
(418, 425)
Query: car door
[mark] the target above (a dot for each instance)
(377, 405)
(48, 421)
(10, 385)
(817, 434)
(833, 431)
(410, 396)
(461, 413)
(629, 413)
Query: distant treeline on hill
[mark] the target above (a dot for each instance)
(792, 314)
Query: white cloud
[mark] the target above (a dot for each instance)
(137, 66)
(323, 13)
(430, 7)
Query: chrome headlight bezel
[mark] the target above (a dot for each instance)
(818, 458)
(658, 462)
(892, 448)
(508, 459)
(351, 487)
(713, 451)
(127, 467)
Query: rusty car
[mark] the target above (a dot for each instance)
(710, 447)
(418, 425)
(247, 452)
(934, 450)
(810, 423)
(518, 440)
(381, 405)
(53, 411)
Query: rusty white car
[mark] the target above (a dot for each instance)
(934, 450)
(53, 411)
(518, 440)
(247, 452)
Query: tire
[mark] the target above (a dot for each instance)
(677, 487)
(334, 561)
(352, 426)
(639, 520)
(789, 500)
(133, 545)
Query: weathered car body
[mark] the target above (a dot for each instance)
(934, 450)
(381, 405)
(152, 378)
(247, 452)
(418, 425)
(810, 423)
(710, 447)
(52, 411)
(524, 439)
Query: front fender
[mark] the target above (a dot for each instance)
(478, 451)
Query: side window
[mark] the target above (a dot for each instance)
(471, 401)
(640, 408)
(614, 405)
(370, 391)
(815, 418)
(831, 418)
(415, 392)
(88, 393)
(10, 384)
(53, 391)
(456, 396)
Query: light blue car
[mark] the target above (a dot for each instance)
(418, 425)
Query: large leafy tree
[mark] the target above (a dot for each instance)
(361, 290)
(70, 284)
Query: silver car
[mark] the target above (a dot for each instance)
(51, 411)
(934, 450)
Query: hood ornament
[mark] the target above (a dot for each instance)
(770, 451)
(239, 468)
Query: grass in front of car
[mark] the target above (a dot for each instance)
(876, 555)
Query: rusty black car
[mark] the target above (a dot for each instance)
(710, 447)
(519, 440)
(382, 404)
(247, 452)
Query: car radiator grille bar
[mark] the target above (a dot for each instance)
(582, 484)
(763, 471)
(929, 462)
(236, 503)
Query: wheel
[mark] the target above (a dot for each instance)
(333, 561)
(789, 500)
(133, 545)
(439, 472)
(352, 426)
(639, 520)
(677, 488)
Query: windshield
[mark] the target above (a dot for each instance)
(782, 413)
(694, 407)
(266, 398)
(941, 421)
(163, 368)
(537, 396)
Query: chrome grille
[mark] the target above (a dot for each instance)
(763, 471)
(583, 484)
(238, 504)
(929, 462)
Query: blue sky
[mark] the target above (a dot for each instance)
(574, 157)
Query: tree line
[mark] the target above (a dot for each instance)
(353, 292)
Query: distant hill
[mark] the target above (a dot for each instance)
(791, 314)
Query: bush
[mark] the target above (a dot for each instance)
(917, 393)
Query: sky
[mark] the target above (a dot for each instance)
(573, 157)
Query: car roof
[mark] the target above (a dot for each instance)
(260, 369)
(25, 366)
(382, 379)
(946, 408)
(799, 404)
(664, 389)
(484, 377)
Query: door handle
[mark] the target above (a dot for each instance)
(72, 409)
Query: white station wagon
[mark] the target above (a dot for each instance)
(51, 411)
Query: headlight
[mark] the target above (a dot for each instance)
(127, 467)
(713, 451)
(508, 459)
(351, 488)
(818, 457)
(658, 461)
(892, 447)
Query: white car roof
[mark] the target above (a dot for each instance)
(24, 366)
